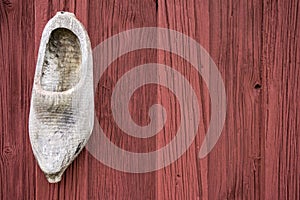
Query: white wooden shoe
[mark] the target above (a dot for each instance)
(62, 103)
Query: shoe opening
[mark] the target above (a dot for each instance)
(62, 61)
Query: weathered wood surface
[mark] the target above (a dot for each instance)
(256, 47)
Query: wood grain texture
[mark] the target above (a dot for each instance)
(230, 33)
(256, 47)
(107, 18)
(17, 165)
(187, 178)
(281, 62)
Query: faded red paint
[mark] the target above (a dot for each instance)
(256, 47)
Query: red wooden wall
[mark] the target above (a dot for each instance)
(256, 46)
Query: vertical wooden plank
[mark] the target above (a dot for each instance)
(234, 166)
(281, 61)
(187, 177)
(236, 47)
(107, 18)
(16, 40)
(74, 183)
